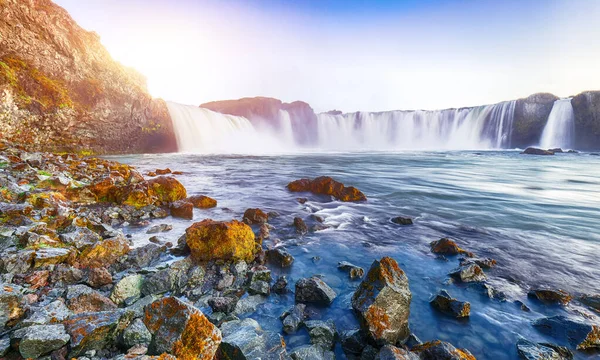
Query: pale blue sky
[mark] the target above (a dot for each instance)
(352, 55)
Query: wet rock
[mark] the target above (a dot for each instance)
(182, 209)
(487, 290)
(353, 342)
(81, 238)
(592, 301)
(280, 286)
(128, 287)
(469, 273)
(580, 335)
(11, 305)
(159, 228)
(82, 298)
(280, 257)
(167, 189)
(389, 352)
(249, 304)
(42, 339)
(448, 305)
(163, 171)
(292, 318)
(264, 231)
(99, 277)
(223, 304)
(484, 263)
(312, 352)
(402, 220)
(259, 288)
(181, 330)
(300, 226)
(550, 296)
(322, 333)
(302, 200)
(218, 240)
(522, 306)
(327, 186)
(260, 273)
(136, 334)
(528, 350)
(245, 339)
(51, 256)
(446, 246)
(18, 262)
(436, 350)
(141, 257)
(93, 331)
(202, 202)
(255, 216)
(314, 290)
(355, 272)
(536, 151)
(4, 345)
(104, 253)
(382, 303)
(66, 275)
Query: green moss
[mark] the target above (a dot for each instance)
(44, 173)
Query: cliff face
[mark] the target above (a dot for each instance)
(586, 107)
(60, 89)
(531, 115)
(263, 110)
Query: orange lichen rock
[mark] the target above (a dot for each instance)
(167, 189)
(255, 216)
(382, 303)
(441, 350)
(181, 330)
(325, 185)
(446, 246)
(202, 202)
(219, 240)
(103, 253)
(94, 331)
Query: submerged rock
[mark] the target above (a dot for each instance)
(159, 228)
(292, 318)
(382, 303)
(353, 342)
(437, 350)
(389, 352)
(314, 290)
(528, 350)
(536, 151)
(355, 272)
(327, 186)
(312, 352)
(280, 286)
(300, 226)
(280, 257)
(202, 202)
(592, 301)
(580, 335)
(402, 220)
(181, 330)
(448, 305)
(255, 216)
(322, 333)
(446, 246)
(550, 296)
(219, 240)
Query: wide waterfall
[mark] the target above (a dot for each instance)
(560, 128)
(484, 127)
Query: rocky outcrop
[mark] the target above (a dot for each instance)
(219, 240)
(586, 108)
(325, 185)
(263, 111)
(580, 335)
(60, 90)
(531, 115)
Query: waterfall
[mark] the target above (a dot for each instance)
(560, 128)
(484, 127)
(204, 131)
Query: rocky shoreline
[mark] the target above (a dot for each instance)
(75, 286)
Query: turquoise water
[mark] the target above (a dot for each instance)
(537, 216)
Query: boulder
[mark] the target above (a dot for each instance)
(528, 350)
(259, 288)
(182, 209)
(255, 216)
(382, 303)
(353, 342)
(219, 240)
(159, 228)
(41, 340)
(99, 277)
(389, 352)
(355, 272)
(448, 305)
(312, 352)
(280, 286)
(245, 339)
(202, 202)
(136, 334)
(314, 290)
(82, 299)
(292, 318)
(280, 257)
(167, 189)
(402, 220)
(327, 186)
(128, 287)
(223, 304)
(180, 329)
(322, 333)
(103, 253)
(446, 246)
(300, 226)
(468, 273)
(54, 312)
(580, 335)
(94, 331)
(437, 350)
(536, 151)
(11, 305)
(550, 296)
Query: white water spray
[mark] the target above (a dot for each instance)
(560, 128)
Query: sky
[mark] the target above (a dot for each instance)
(352, 55)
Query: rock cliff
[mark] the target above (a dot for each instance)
(60, 90)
